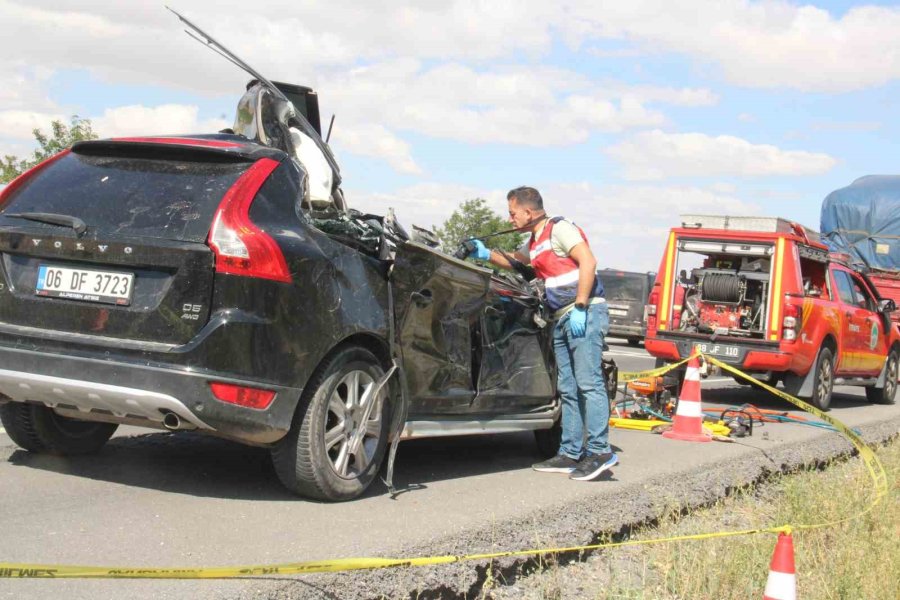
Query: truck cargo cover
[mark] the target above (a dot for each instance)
(863, 219)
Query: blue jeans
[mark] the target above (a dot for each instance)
(582, 387)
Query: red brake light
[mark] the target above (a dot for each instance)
(651, 304)
(790, 322)
(24, 177)
(650, 311)
(242, 396)
(241, 247)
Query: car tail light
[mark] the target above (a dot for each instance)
(19, 181)
(790, 322)
(650, 311)
(242, 396)
(241, 247)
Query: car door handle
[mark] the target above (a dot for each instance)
(423, 298)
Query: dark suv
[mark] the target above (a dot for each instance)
(185, 283)
(626, 296)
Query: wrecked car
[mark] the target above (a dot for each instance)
(187, 283)
(206, 283)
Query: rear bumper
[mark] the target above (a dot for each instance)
(122, 392)
(635, 331)
(749, 357)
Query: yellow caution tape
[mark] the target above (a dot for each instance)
(626, 376)
(27, 570)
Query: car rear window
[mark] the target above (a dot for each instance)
(127, 195)
(625, 287)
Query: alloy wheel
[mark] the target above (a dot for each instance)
(890, 376)
(825, 382)
(353, 424)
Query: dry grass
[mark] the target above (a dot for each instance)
(858, 560)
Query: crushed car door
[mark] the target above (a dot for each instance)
(516, 365)
(438, 302)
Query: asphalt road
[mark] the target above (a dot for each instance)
(175, 500)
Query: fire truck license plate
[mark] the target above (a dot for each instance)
(718, 350)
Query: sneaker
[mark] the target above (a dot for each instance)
(592, 465)
(558, 464)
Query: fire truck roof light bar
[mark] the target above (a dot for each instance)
(738, 249)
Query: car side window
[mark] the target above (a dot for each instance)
(844, 287)
(861, 294)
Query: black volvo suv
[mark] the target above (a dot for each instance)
(186, 283)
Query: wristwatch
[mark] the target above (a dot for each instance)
(580, 305)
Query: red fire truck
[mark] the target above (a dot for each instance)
(765, 295)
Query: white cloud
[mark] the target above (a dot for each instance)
(723, 188)
(536, 106)
(378, 142)
(16, 126)
(19, 124)
(154, 120)
(656, 155)
(757, 44)
(366, 73)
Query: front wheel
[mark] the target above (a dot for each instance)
(885, 395)
(339, 434)
(38, 429)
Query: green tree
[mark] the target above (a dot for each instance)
(61, 136)
(473, 218)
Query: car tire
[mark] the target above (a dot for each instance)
(318, 457)
(37, 428)
(633, 341)
(549, 440)
(886, 394)
(610, 378)
(823, 380)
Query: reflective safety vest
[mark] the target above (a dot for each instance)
(560, 273)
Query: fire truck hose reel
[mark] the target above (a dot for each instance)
(722, 287)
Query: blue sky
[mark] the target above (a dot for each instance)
(624, 115)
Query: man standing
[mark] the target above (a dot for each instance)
(559, 253)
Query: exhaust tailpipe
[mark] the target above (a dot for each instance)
(171, 421)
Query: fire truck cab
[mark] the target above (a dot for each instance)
(764, 294)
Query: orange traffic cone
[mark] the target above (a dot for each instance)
(688, 424)
(782, 581)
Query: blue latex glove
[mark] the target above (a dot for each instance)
(480, 252)
(577, 322)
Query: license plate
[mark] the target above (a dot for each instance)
(719, 350)
(107, 287)
(618, 312)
